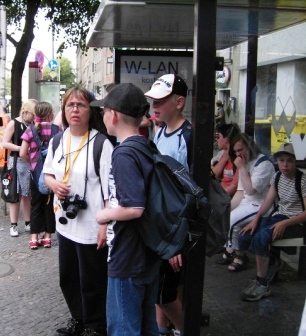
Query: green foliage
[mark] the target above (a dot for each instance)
(67, 75)
(71, 16)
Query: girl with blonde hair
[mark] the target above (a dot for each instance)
(12, 141)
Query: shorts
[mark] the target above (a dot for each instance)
(168, 283)
(23, 176)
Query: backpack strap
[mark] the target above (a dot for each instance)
(36, 137)
(97, 148)
(262, 159)
(298, 185)
(277, 177)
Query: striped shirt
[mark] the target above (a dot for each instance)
(290, 203)
(45, 135)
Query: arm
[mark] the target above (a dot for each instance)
(219, 166)
(264, 208)
(101, 241)
(232, 188)
(280, 227)
(60, 189)
(24, 151)
(237, 198)
(240, 163)
(119, 214)
(8, 137)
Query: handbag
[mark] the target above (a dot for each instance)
(218, 224)
(9, 182)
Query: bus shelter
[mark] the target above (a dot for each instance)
(264, 101)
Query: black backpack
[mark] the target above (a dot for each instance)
(175, 206)
(42, 152)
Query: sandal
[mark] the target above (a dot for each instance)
(237, 267)
(33, 244)
(226, 258)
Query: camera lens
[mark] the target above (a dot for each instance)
(63, 220)
(72, 211)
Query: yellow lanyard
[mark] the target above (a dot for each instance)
(70, 162)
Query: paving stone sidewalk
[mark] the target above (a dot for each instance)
(31, 302)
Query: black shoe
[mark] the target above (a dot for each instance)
(74, 328)
(226, 258)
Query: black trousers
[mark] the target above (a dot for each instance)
(42, 214)
(83, 281)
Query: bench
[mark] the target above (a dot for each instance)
(295, 242)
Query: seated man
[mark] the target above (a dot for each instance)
(222, 166)
(285, 222)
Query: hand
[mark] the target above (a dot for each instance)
(278, 230)
(240, 162)
(249, 227)
(176, 262)
(60, 189)
(101, 241)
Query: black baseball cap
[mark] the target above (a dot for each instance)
(126, 98)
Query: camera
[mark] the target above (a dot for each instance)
(72, 205)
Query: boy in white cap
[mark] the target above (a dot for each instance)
(168, 94)
(289, 187)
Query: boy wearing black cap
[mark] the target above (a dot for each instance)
(132, 268)
(283, 223)
(168, 95)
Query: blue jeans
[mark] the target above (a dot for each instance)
(261, 239)
(131, 305)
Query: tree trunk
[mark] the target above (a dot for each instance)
(22, 50)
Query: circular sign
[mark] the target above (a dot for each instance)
(224, 76)
(52, 64)
(40, 57)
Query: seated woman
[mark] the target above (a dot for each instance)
(289, 187)
(255, 172)
(222, 166)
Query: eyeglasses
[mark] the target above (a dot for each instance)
(79, 106)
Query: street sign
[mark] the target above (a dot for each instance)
(52, 64)
(39, 57)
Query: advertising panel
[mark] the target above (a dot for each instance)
(142, 68)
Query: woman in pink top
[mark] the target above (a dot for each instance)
(42, 214)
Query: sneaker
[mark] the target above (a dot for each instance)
(45, 242)
(175, 332)
(33, 244)
(73, 328)
(255, 292)
(14, 231)
(27, 228)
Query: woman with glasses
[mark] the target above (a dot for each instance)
(79, 180)
(255, 172)
(12, 141)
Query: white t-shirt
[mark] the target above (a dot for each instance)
(84, 228)
(260, 176)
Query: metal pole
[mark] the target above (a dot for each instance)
(251, 88)
(203, 135)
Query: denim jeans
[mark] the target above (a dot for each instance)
(131, 305)
(261, 239)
